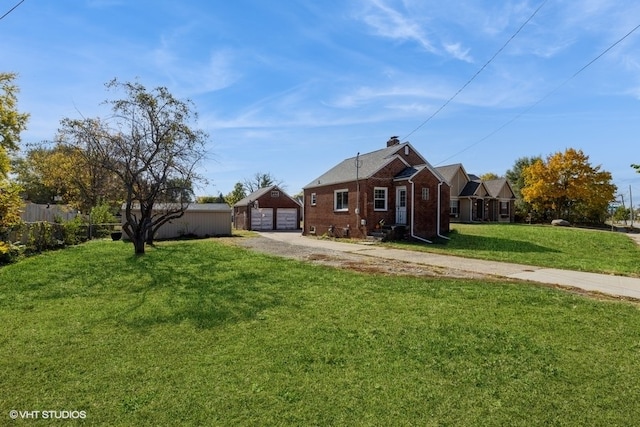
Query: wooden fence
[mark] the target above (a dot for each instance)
(33, 212)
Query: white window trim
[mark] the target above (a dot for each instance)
(425, 193)
(454, 209)
(314, 199)
(386, 199)
(335, 200)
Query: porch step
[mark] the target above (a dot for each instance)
(389, 232)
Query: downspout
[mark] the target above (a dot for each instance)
(304, 223)
(413, 209)
(439, 213)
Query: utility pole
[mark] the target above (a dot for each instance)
(631, 204)
(358, 164)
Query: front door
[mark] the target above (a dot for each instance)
(480, 209)
(401, 205)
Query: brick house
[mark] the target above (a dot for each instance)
(394, 187)
(268, 208)
(474, 200)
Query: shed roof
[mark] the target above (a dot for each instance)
(192, 207)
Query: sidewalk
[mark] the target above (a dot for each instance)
(607, 284)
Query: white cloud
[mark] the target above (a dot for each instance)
(196, 77)
(456, 50)
(388, 22)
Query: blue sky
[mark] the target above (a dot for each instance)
(293, 87)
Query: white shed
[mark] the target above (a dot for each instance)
(200, 220)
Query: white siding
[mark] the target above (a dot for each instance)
(201, 220)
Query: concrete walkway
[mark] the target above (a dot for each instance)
(607, 284)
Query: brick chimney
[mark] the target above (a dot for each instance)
(393, 141)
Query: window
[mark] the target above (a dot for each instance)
(454, 209)
(504, 208)
(380, 199)
(341, 200)
(314, 199)
(275, 193)
(425, 193)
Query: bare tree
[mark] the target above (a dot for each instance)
(149, 145)
(260, 180)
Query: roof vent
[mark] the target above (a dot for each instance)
(393, 141)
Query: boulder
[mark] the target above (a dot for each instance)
(560, 223)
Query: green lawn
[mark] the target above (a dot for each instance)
(205, 333)
(546, 246)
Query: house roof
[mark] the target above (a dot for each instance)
(409, 172)
(495, 186)
(367, 165)
(470, 188)
(449, 171)
(259, 193)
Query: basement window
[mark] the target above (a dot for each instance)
(341, 200)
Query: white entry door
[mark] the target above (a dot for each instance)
(401, 205)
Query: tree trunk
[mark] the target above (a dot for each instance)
(147, 232)
(149, 236)
(138, 245)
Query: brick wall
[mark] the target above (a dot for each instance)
(322, 217)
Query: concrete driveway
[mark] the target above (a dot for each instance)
(618, 286)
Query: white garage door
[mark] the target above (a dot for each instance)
(286, 219)
(262, 219)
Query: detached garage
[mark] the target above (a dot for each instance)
(199, 220)
(267, 209)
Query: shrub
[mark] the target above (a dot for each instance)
(74, 231)
(101, 217)
(9, 252)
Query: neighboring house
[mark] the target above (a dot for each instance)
(199, 220)
(501, 205)
(395, 187)
(474, 200)
(268, 208)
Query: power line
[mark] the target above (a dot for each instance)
(538, 102)
(477, 72)
(12, 9)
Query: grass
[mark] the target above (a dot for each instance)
(205, 333)
(544, 246)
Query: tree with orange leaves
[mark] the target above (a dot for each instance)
(567, 186)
